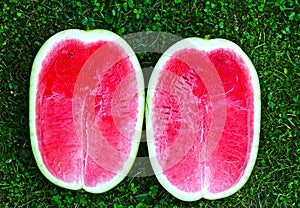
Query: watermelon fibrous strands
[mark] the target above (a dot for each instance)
(200, 117)
(88, 133)
(216, 155)
(77, 64)
(210, 77)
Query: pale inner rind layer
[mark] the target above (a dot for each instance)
(85, 37)
(207, 46)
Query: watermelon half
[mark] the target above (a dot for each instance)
(203, 118)
(86, 109)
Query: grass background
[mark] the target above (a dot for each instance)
(268, 31)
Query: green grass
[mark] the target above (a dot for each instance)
(268, 32)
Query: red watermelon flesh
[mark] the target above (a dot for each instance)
(203, 122)
(69, 152)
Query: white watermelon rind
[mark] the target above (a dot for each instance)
(86, 37)
(206, 45)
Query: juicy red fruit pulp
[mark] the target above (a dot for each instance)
(66, 149)
(184, 102)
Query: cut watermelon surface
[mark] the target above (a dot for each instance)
(86, 109)
(203, 118)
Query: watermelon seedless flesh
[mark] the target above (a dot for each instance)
(86, 109)
(203, 119)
